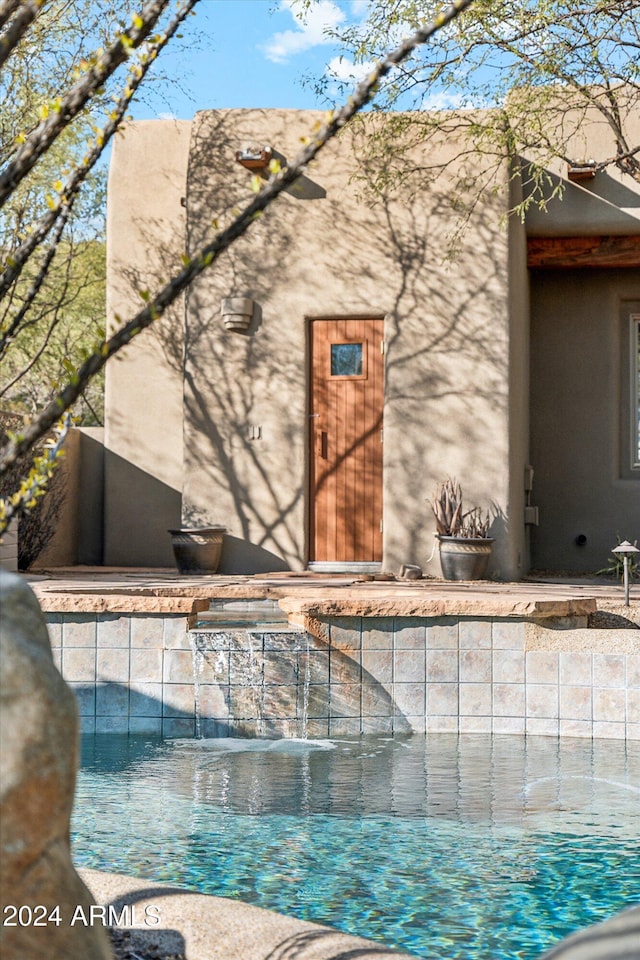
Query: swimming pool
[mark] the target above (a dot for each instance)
(451, 847)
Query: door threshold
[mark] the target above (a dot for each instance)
(347, 566)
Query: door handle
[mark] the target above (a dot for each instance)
(322, 444)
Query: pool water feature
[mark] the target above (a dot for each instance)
(474, 847)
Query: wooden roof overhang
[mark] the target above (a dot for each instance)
(599, 251)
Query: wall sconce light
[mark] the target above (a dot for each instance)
(237, 312)
(254, 158)
(625, 550)
(582, 170)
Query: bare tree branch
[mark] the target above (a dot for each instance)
(18, 258)
(18, 27)
(62, 112)
(211, 251)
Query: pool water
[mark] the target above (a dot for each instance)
(474, 847)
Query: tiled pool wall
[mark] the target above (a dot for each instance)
(135, 673)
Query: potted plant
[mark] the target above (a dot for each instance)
(197, 549)
(463, 538)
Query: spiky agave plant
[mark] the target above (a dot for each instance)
(451, 520)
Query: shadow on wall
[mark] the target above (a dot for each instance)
(246, 430)
(138, 535)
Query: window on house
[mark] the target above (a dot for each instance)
(347, 360)
(630, 397)
(635, 388)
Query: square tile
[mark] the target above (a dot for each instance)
(575, 668)
(113, 630)
(542, 701)
(609, 704)
(112, 700)
(376, 701)
(442, 699)
(377, 633)
(409, 666)
(475, 724)
(539, 727)
(441, 724)
(633, 670)
(609, 670)
(409, 698)
(609, 731)
(112, 663)
(575, 703)
(576, 728)
(344, 700)
(85, 695)
(508, 700)
(280, 702)
(410, 634)
(152, 726)
(178, 700)
(507, 634)
(79, 664)
(377, 665)
(542, 666)
(346, 633)
(112, 724)
(343, 727)
(178, 729)
(175, 633)
(633, 706)
(147, 632)
(145, 699)
(345, 668)
(146, 665)
(475, 700)
(213, 701)
(442, 666)
(280, 667)
(442, 634)
(79, 630)
(178, 666)
(475, 634)
(377, 724)
(508, 725)
(508, 666)
(475, 666)
(54, 629)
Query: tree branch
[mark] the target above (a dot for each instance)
(63, 111)
(211, 251)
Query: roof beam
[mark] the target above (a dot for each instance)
(563, 252)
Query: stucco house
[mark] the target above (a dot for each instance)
(375, 364)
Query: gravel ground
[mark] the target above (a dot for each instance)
(124, 948)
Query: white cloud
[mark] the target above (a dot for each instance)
(311, 31)
(340, 68)
(360, 8)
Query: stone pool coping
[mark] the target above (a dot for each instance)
(117, 590)
(217, 928)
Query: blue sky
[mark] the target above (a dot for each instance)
(250, 53)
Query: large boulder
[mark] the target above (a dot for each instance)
(38, 762)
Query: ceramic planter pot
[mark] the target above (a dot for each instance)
(197, 549)
(464, 558)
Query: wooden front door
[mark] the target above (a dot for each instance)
(346, 440)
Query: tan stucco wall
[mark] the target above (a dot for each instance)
(577, 362)
(448, 333)
(609, 203)
(143, 442)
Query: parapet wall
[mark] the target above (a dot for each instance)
(153, 673)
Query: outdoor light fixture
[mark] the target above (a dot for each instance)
(582, 170)
(254, 158)
(237, 312)
(625, 550)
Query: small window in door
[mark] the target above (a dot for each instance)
(348, 360)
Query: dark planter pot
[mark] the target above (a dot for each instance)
(464, 558)
(197, 549)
